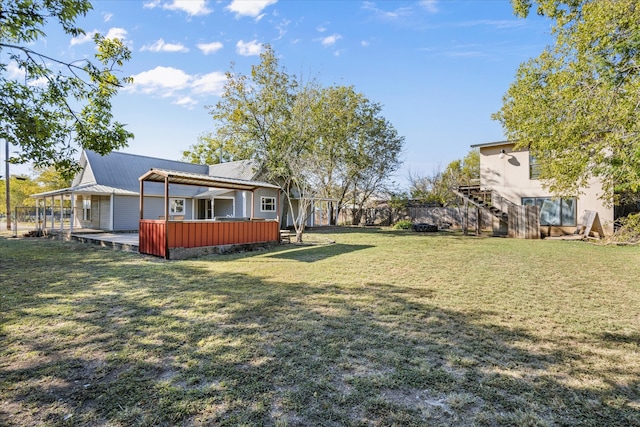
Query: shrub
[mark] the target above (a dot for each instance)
(403, 225)
(629, 230)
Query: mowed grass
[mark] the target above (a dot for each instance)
(380, 328)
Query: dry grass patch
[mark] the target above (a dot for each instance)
(379, 328)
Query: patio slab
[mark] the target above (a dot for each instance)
(122, 241)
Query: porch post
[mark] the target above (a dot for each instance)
(53, 213)
(166, 217)
(278, 206)
(73, 208)
(112, 212)
(61, 212)
(37, 214)
(141, 199)
(253, 203)
(44, 223)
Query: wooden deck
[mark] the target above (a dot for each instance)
(159, 237)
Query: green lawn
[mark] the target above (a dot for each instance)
(380, 328)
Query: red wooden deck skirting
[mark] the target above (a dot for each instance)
(194, 234)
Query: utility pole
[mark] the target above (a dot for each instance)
(6, 182)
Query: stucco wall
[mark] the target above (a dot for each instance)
(509, 176)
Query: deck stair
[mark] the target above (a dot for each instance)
(484, 199)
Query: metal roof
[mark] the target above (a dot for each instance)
(239, 169)
(201, 180)
(122, 170)
(87, 189)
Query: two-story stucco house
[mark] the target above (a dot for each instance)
(513, 175)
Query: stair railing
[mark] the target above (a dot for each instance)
(501, 202)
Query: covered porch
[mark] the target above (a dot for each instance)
(73, 209)
(173, 237)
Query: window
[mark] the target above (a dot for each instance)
(176, 206)
(267, 204)
(86, 209)
(559, 211)
(534, 167)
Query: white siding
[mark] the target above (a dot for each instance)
(102, 214)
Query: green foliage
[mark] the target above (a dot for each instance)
(628, 231)
(213, 148)
(403, 225)
(55, 107)
(438, 187)
(313, 141)
(576, 105)
(21, 187)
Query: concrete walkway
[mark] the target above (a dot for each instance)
(122, 241)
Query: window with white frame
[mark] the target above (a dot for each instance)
(86, 209)
(267, 204)
(176, 206)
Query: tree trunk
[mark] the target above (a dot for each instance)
(332, 220)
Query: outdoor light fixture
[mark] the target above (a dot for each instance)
(502, 153)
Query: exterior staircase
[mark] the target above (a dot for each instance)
(487, 200)
(522, 223)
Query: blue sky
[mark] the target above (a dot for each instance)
(439, 68)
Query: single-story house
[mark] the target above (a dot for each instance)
(513, 175)
(105, 194)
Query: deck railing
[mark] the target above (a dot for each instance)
(156, 239)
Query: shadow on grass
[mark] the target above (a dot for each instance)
(106, 339)
(317, 253)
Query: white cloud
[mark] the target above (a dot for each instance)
(211, 83)
(191, 7)
(364, 43)
(116, 33)
(249, 48)
(184, 88)
(208, 48)
(83, 38)
(161, 46)
(107, 16)
(161, 80)
(321, 29)
(331, 40)
(393, 15)
(430, 6)
(186, 101)
(113, 33)
(251, 8)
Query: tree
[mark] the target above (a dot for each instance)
(213, 148)
(577, 105)
(310, 140)
(22, 186)
(440, 185)
(356, 148)
(53, 107)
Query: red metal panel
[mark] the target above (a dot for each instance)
(199, 234)
(154, 234)
(152, 237)
(235, 228)
(242, 234)
(216, 233)
(173, 235)
(224, 232)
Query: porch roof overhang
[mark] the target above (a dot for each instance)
(86, 189)
(493, 144)
(186, 178)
